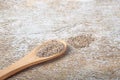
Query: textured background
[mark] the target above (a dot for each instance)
(96, 23)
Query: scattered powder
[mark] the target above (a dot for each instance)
(50, 48)
(80, 41)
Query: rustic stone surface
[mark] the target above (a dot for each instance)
(27, 23)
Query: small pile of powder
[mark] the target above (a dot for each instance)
(80, 41)
(52, 47)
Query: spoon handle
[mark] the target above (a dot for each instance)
(19, 65)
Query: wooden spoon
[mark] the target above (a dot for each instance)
(29, 60)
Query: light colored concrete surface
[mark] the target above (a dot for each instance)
(27, 23)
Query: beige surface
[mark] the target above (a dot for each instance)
(94, 23)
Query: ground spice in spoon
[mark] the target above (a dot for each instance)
(52, 47)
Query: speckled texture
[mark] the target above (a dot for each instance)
(27, 23)
(50, 48)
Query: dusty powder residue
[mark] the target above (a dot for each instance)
(50, 48)
(80, 41)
